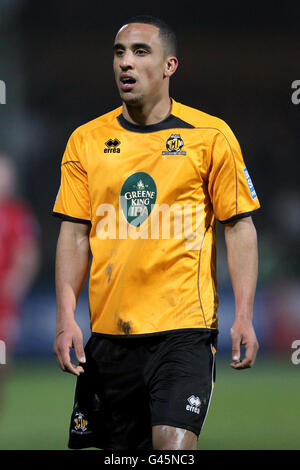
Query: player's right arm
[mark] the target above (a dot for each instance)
(72, 262)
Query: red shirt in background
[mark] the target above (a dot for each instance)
(18, 230)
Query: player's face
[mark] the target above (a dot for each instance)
(139, 63)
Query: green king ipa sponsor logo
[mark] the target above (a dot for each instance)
(137, 198)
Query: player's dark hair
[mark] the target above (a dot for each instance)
(167, 34)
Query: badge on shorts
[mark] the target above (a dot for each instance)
(80, 423)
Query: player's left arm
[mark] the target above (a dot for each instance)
(242, 257)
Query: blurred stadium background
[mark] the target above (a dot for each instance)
(238, 62)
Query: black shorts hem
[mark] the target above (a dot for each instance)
(85, 446)
(177, 425)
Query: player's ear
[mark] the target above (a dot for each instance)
(171, 64)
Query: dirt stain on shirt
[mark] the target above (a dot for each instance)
(124, 326)
(108, 272)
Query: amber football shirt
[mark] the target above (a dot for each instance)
(152, 195)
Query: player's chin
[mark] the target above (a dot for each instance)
(131, 98)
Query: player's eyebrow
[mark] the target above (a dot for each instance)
(136, 45)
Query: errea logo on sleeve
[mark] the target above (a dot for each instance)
(250, 184)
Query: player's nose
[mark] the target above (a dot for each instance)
(126, 61)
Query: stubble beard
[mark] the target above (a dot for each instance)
(133, 100)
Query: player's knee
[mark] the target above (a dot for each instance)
(162, 442)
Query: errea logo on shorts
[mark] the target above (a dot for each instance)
(194, 404)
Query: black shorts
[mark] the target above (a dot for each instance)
(133, 383)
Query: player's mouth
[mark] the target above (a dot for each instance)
(127, 82)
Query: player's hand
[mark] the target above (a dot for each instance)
(242, 333)
(66, 337)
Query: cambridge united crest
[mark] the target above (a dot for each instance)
(79, 423)
(174, 145)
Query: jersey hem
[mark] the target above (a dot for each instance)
(239, 216)
(156, 333)
(70, 219)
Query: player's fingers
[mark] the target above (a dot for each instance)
(72, 368)
(77, 370)
(59, 360)
(57, 353)
(66, 362)
(243, 364)
(251, 351)
(79, 350)
(236, 345)
(250, 356)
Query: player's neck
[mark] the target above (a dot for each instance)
(148, 113)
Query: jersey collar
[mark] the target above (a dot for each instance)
(170, 122)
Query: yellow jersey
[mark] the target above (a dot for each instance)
(152, 195)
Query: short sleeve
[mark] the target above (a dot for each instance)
(72, 200)
(230, 187)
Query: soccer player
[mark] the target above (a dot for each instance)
(142, 188)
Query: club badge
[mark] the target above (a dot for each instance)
(174, 145)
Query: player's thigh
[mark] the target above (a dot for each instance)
(172, 438)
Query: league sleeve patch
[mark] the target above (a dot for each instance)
(250, 184)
